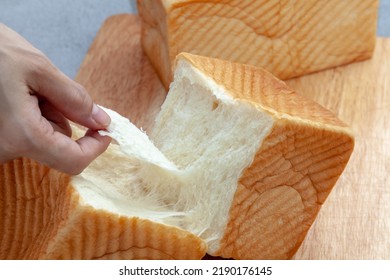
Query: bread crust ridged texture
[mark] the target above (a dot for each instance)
(288, 38)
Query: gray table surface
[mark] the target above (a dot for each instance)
(64, 29)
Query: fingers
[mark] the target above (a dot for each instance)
(24, 63)
(69, 156)
(36, 102)
(55, 118)
(67, 96)
(66, 99)
(62, 152)
(48, 142)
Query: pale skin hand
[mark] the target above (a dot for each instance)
(36, 102)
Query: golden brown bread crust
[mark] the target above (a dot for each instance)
(281, 192)
(154, 38)
(33, 205)
(98, 234)
(289, 38)
(43, 217)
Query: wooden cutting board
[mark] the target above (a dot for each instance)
(354, 222)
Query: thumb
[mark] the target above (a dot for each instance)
(67, 96)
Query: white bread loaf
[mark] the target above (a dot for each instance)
(238, 166)
(289, 38)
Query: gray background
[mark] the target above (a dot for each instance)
(64, 29)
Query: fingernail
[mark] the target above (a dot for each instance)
(100, 117)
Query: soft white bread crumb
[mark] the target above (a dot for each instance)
(205, 140)
(133, 142)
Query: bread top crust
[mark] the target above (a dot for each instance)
(172, 3)
(265, 91)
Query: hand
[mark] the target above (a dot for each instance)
(36, 101)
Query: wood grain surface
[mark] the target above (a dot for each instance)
(118, 75)
(354, 222)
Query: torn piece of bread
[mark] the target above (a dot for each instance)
(288, 38)
(237, 165)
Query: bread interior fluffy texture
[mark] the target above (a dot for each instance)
(205, 138)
